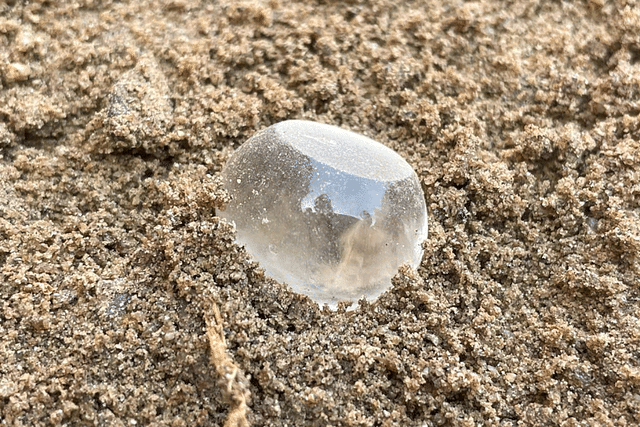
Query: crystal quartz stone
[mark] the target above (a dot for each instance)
(329, 212)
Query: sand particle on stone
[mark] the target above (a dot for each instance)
(125, 301)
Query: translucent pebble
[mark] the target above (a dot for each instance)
(329, 212)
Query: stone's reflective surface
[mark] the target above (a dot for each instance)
(329, 212)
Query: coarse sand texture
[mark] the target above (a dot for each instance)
(128, 297)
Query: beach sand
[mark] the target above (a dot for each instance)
(124, 300)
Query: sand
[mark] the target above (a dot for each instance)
(124, 300)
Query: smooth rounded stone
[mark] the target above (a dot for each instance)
(329, 212)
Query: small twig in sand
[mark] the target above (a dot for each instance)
(231, 377)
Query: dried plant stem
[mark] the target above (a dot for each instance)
(231, 377)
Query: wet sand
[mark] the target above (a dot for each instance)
(124, 300)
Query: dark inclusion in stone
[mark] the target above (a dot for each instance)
(329, 212)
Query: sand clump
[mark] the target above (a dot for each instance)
(521, 120)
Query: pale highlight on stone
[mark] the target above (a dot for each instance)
(329, 212)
